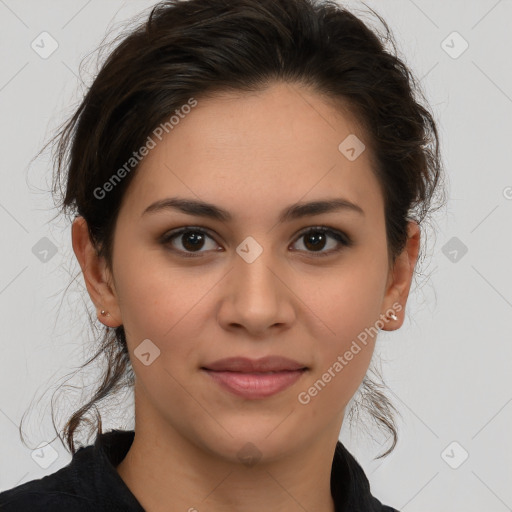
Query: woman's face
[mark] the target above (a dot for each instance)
(257, 284)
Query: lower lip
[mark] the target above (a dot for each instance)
(256, 385)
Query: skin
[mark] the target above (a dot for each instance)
(253, 155)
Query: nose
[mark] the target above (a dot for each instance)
(256, 297)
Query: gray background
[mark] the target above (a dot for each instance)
(447, 368)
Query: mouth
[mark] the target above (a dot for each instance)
(255, 379)
(255, 385)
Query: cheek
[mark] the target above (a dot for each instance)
(152, 292)
(346, 307)
(344, 301)
(342, 360)
(162, 306)
(162, 303)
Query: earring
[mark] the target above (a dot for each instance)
(393, 316)
(104, 313)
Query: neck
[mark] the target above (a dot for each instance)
(162, 468)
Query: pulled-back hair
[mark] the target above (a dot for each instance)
(197, 48)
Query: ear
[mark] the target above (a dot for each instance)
(97, 277)
(400, 278)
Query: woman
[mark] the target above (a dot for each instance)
(248, 179)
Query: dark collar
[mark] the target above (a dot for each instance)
(108, 451)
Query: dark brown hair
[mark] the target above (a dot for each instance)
(196, 48)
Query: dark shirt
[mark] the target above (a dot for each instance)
(90, 482)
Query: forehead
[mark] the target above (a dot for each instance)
(253, 150)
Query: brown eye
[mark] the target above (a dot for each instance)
(317, 239)
(192, 240)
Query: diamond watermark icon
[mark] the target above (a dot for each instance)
(44, 250)
(147, 352)
(44, 455)
(454, 249)
(249, 454)
(44, 45)
(351, 147)
(249, 249)
(454, 45)
(454, 455)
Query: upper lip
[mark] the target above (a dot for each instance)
(246, 365)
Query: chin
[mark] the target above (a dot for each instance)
(249, 443)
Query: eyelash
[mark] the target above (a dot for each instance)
(339, 236)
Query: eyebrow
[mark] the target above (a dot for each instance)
(292, 212)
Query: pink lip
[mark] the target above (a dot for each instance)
(255, 385)
(246, 365)
(249, 378)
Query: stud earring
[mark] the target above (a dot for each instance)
(104, 313)
(393, 316)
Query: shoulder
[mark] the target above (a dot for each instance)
(89, 482)
(53, 492)
(376, 505)
(350, 486)
(39, 501)
(379, 507)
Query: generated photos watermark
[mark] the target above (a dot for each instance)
(305, 397)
